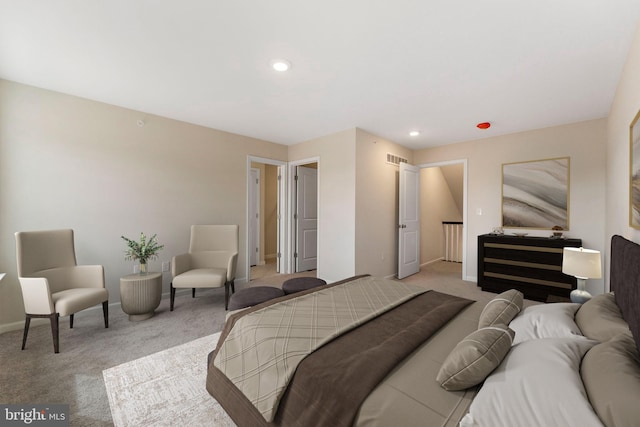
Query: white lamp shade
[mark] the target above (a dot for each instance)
(582, 263)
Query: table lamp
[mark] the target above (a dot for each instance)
(583, 264)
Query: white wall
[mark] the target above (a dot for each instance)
(71, 162)
(624, 108)
(583, 142)
(376, 205)
(337, 195)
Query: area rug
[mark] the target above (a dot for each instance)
(165, 388)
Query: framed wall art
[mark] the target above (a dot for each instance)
(535, 194)
(634, 181)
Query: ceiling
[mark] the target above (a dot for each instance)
(437, 66)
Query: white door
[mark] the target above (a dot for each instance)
(306, 218)
(409, 221)
(254, 216)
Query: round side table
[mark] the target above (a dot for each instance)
(140, 295)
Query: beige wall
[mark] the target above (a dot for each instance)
(624, 108)
(71, 162)
(583, 142)
(437, 204)
(376, 239)
(336, 197)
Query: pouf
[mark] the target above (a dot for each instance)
(251, 296)
(298, 284)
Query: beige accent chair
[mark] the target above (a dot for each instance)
(52, 283)
(210, 263)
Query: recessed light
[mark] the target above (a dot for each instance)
(280, 64)
(414, 133)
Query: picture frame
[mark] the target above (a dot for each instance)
(535, 194)
(634, 172)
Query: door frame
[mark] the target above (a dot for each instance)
(291, 208)
(282, 207)
(465, 221)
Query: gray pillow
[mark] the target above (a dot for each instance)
(611, 375)
(475, 357)
(502, 309)
(600, 318)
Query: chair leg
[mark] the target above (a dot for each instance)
(233, 287)
(55, 318)
(172, 296)
(71, 321)
(27, 322)
(105, 312)
(226, 296)
(193, 292)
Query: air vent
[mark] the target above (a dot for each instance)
(392, 159)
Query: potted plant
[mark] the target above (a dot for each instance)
(143, 250)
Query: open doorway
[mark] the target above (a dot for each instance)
(266, 230)
(436, 194)
(443, 202)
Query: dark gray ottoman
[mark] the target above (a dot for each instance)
(251, 296)
(298, 284)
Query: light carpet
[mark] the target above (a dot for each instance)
(165, 388)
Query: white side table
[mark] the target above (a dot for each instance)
(140, 295)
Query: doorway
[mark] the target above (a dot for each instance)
(441, 196)
(266, 228)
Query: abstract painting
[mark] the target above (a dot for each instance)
(535, 194)
(634, 189)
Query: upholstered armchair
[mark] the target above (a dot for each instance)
(210, 263)
(52, 283)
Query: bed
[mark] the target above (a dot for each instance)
(431, 359)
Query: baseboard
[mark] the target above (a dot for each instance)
(270, 256)
(19, 326)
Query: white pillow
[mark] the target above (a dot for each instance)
(537, 384)
(554, 320)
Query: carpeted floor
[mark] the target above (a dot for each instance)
(167, 388)
(74, 376)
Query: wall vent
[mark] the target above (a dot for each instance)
(392, 159)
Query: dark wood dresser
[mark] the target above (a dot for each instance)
(533, 265)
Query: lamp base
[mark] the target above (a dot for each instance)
(579, 296)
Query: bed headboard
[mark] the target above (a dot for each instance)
(625, 281)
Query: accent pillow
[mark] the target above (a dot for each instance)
(537, 384)
(611, 375)
(546, 321)
(600, 318)
(501, 309)
(475, 357)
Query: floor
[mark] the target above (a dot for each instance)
(266, 274)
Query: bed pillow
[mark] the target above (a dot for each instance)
(600, 318)
(554, 320)
(611, 375)
(475, 357)
(501, 309)
(537, 384)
